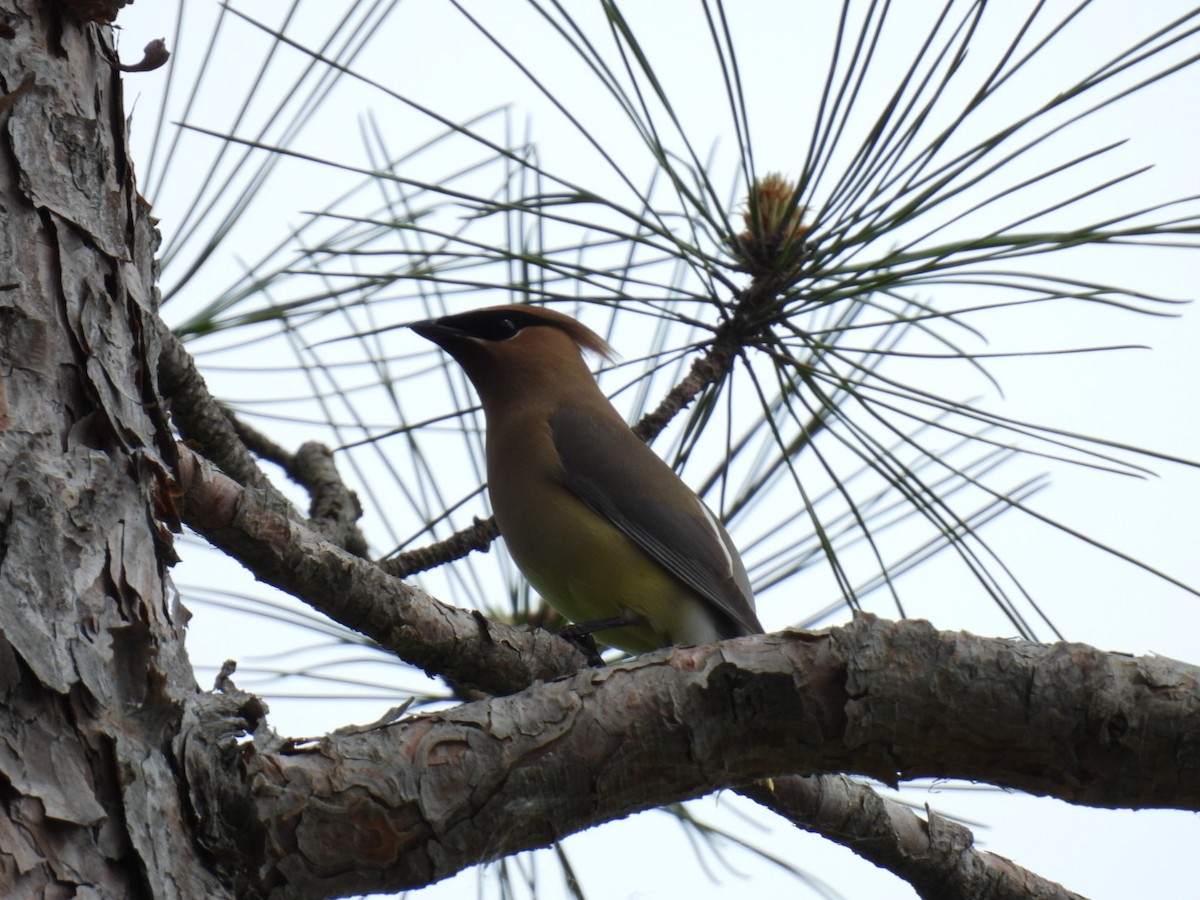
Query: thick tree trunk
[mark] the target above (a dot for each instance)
(93, 675)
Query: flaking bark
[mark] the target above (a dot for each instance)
(93, 676)
(123, 780)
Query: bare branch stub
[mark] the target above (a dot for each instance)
(478, 536)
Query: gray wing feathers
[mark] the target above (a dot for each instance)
(623, 480)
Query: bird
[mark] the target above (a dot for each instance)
(596, 521)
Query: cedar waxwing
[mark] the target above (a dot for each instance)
(600, 526)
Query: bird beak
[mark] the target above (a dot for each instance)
(438, 332)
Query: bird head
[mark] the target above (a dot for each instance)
(506, 349)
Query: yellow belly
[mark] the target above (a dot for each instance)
(587, 569)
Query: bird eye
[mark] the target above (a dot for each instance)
(506, 328)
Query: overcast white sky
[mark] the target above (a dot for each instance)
(1148, 398)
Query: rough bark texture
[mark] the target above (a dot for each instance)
(413, 801)
(261, 531)
(93, 675)
(119, 779)
(936, 856)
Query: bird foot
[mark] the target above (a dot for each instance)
(582, 634)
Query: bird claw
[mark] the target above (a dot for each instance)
(582, 634)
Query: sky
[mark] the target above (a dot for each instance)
(429, 52)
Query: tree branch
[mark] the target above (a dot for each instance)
(198, 416)
(935, 856)
(419, 799)
(462, 646)
(985, 696)
(334, 509)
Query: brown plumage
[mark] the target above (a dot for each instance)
(598, 523)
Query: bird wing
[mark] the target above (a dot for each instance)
(623, 480)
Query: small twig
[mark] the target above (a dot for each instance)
(224, 679)
(478, 536)
(154, 56)
(334, 509)
(258, 443)
(709, 369)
